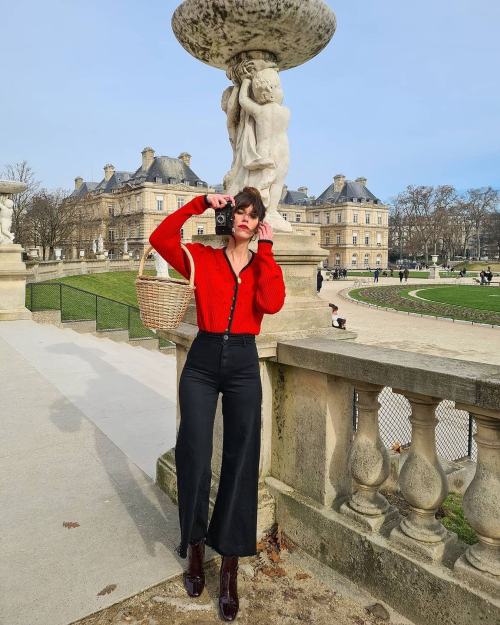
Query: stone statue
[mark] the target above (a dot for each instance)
(94, 246)
(6, 212)
(100, 244)
(257, 124)
(125, 246)
(161, 265)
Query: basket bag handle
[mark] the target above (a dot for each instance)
(188, 253)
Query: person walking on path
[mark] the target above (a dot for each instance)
(319, 280)
(406, 274)
(376, 274)
(401, 276)
(235, 287)
(489, 275)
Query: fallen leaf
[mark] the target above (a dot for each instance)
(106, 590)
(71, 524)
(274, 571)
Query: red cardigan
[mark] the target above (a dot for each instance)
(223, 303)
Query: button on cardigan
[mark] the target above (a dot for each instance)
(224, 303)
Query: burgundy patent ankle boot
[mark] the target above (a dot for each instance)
(194, 576)
(228, 588)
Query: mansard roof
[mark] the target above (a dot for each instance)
(350, 192)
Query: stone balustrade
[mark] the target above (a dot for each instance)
(327, 479)
(50, 270)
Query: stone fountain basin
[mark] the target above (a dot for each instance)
(8, 187)
(215, 31)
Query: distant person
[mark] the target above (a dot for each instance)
(392, 273)
(489, 275)
(344, 273)
(401, 276)
(375, 275)
(319, 280)
(406, 273)
(482, 277)
(337, 322)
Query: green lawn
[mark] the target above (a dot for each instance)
(398, 297)
(482, 298)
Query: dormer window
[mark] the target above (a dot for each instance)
(158, 179)
(171, 181)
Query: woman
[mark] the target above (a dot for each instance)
(235, 287)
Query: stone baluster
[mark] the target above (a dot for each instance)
(423, 484)
(369, 464)
(481, 501)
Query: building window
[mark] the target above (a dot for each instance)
(180, 201)
(354, 238)
(111, 209)
(367, 218)
(327, 238)
(316, 218)
(379, 238)
(367, 239)
(159, 202)
(354, 260)
(200, 229)
(379, 219)
(367, 260)
(285, 216)
(379, 260)
(129, 205)
(337, 238)
(111, 234)
(339, 218)
(328, 218)
(313, 234)
(138, 232)
(158, 179)
(297, 217)
(355, 218)
(337, 260)
(138, 202)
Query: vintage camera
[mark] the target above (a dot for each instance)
(224, 219)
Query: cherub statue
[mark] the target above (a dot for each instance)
(6, 212)
(257, 128)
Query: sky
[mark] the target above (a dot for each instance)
(405, 93)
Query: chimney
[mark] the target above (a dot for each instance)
(109, 170)
(284, 192)
(148, 156)
(303, 190)
(338, 182)
(78, 182)
(185, 158)
(362, 180)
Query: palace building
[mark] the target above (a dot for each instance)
(125, 207)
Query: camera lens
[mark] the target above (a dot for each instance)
(220, 219)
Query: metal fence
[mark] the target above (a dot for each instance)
(78, 305)
(454, 432)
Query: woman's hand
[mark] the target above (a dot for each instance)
(218, 200)
(265, 231)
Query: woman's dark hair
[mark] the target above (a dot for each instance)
(250, 196)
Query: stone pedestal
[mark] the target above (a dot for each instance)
(433, 273)
(12, 283)
(304, 314)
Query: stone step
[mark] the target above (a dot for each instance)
(120, 336)
(52, 317)
(147, 343)
(80, 326)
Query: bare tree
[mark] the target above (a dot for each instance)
(479, 204)
(21, 172)
(49, 220)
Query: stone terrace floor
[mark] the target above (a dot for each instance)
(83, 526)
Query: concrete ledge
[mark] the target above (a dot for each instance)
(448, 378)
(80, 326)
(428, 594)
(151, 343)
(120, 336)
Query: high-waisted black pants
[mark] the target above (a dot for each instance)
(227, 364)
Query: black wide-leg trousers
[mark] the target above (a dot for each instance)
(228, 364)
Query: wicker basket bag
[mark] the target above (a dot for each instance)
(163, 301)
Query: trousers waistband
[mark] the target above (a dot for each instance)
(241, 339)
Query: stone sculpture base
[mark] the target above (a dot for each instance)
(12, 283)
